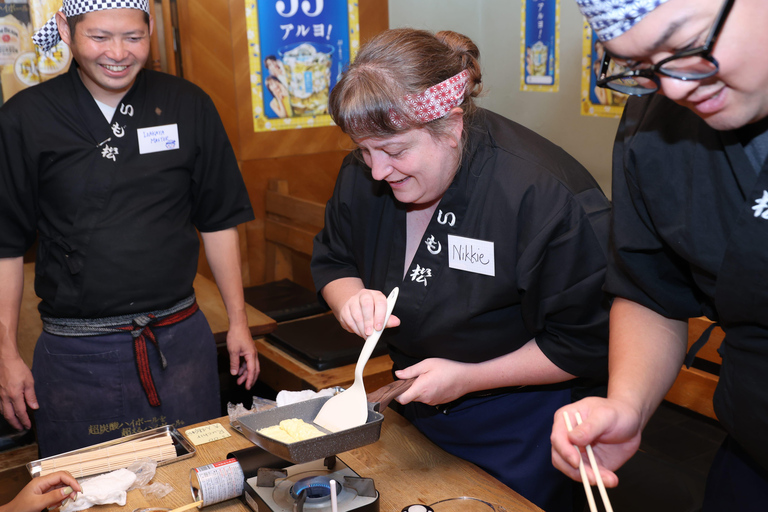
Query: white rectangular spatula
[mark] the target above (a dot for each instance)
(349, 408)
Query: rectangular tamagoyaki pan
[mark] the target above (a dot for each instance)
(332, 443)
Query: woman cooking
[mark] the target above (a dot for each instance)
(496, 238)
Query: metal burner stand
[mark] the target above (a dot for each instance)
(306, 487)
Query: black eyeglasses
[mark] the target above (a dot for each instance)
(693, 64)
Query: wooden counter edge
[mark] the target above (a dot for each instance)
(212, 306)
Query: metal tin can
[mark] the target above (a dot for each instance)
(216, 482)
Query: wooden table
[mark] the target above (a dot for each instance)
(405, 466)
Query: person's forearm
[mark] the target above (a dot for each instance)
(12, 286)
(526, 366)
(337, 293)
(222, 249)
(645, 355)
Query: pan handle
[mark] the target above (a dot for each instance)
(385, 394)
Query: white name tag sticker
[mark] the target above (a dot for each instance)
(158, 138)
(471, 255)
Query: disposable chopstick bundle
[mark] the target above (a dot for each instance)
(116, 449)
(110, 458)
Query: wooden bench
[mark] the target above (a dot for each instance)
(694, 387)
(290, 227)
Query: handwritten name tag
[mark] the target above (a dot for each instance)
(158, 138)
(206, 434)
(471, 255)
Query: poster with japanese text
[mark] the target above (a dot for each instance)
(596, 101)
(21, 63)
(540, 46)
(298, 50)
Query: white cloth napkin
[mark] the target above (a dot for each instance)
(291, 397)
(103, 489)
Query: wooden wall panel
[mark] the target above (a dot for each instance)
(207, 56)
(214, 48)
(310, 177)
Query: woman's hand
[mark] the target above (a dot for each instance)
(438, 381)
(364, 312)
(610, 426)
(43, 492)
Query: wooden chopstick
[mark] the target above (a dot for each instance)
(593, 463)
(188, 506)
(582, 471)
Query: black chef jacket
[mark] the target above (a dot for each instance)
(689, 238)
(547, 220)
(116, 221)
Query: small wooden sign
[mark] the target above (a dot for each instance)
(206, 434)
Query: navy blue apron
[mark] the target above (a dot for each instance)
(89, 389)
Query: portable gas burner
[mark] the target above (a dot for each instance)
(307, 487)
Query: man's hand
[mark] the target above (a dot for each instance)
(240, 344)
(17, 390)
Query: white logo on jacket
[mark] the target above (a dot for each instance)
(118, 130)
(449, 218)
(433, 246)
(761, 206)
(421, 274)
(110, 152)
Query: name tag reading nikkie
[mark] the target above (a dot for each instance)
(471, 255)
(158, 138)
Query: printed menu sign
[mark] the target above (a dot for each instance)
(206, 434)
(298, 50)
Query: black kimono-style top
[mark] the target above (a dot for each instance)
(515, 250)
(115, 204)
(690, 238)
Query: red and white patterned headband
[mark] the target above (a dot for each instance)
(436, 101)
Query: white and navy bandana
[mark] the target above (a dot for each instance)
(611, 18)
(48, 36)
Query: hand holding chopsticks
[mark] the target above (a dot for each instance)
(595, 470)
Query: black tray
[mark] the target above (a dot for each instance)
(320, 342)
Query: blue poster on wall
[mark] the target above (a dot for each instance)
(541, 24)
(597, 101)
(302, 47)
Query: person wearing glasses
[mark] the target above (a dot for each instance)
(689, 232)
